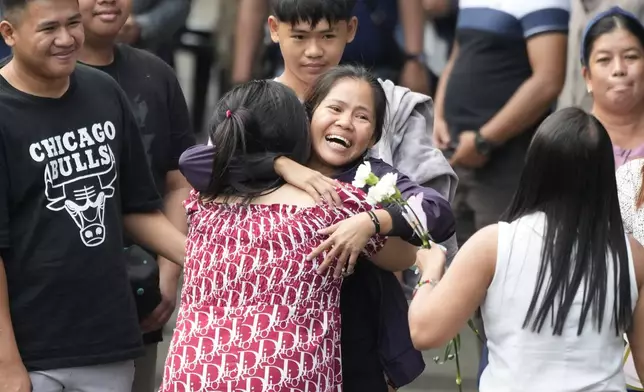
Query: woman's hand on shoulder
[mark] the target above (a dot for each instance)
(346, 240)
(317, 185)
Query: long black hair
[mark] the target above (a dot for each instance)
(253, 124)
(606, 22)
(569, 175)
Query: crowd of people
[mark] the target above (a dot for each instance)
(295, 271)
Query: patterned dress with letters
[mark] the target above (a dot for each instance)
(255, 315)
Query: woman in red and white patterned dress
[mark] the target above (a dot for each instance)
(257, 314)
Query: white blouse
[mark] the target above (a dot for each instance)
(629, 181)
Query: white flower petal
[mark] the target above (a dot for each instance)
(387, 185)
(362, 174)
(415, 203)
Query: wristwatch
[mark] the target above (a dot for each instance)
(483, 146)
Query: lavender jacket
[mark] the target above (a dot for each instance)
(401, 362)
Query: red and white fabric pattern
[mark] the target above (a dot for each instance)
(255, 315)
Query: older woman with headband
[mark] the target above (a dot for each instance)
(612, 55)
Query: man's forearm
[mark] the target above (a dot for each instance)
(528, 104)
(412, 17)
(439, 99)
(8, 348)
(174, 211)
(155, 232)
(249, 31)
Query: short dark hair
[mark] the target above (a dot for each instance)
(328, 80)
(312, 11)
(8, 8)
(605, 23)
(253, 124)
(12, 5)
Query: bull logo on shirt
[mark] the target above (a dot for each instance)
(80, 173)
(84, 201)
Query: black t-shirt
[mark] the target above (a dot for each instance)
(69, 169)
(161, 112)
(159, 107)
(492, 61)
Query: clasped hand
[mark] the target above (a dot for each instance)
(346, 240)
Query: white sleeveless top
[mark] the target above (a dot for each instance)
(524, 361)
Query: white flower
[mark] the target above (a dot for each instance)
(362, 174)
(387, 186)
(383, 190)
(374, 196)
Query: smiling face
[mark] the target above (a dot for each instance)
(46, 36)
(615, 71)
(104, 18)
(343, 124)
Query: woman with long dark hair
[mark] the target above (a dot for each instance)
(558, 281)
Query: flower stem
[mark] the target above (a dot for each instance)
(470, 323)
(458, 368)
(423, 234)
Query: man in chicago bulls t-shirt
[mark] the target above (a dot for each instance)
(73, 173)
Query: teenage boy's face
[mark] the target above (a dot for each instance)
(309, 52)
(104, 18)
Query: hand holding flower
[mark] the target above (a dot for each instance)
(431, 262)
(430, 259)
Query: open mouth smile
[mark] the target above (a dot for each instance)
(338, 141)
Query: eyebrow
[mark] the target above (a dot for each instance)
(53, 23)
(303, 31)
(631, 48)
(337, 101)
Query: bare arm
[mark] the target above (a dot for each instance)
(154, 231)
(13, 375)
(8, 347)
(249, 32)
(412, 19)
(178, 190)
(458, 294)
(396, 255)
(636, 334)
(413, 74)
(547, 53)
(439, 99)
(350, 237)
